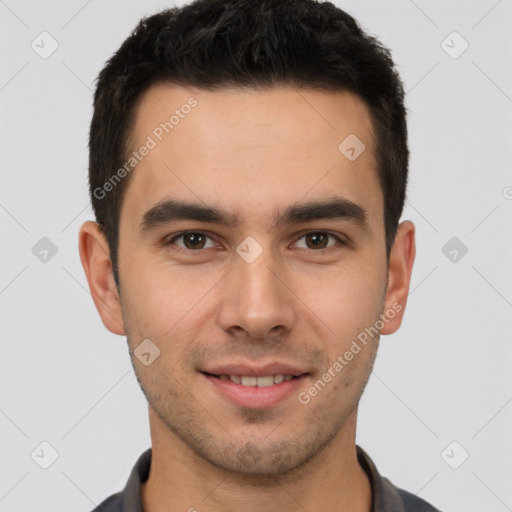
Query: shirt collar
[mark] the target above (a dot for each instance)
(385, 494)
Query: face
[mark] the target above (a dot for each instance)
(252, 251)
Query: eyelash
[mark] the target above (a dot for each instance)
(171, 241)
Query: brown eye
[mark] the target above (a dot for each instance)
(318, 240)
(192, 240)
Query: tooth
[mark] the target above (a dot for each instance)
(263, 382)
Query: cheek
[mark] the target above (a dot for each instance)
(162, 292)
(167, 306)
(335, 393)
(346, 298)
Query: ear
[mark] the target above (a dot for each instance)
(95, 257)
(401, 260)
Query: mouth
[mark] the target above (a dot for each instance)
(255, 392)
(252, 381)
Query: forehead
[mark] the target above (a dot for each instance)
(251, 148)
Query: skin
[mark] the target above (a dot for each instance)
(251, 153)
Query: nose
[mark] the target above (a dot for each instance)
(257, 299)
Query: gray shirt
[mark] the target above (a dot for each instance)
(386, 497)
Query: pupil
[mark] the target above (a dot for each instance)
(192, 240)
(318, 239)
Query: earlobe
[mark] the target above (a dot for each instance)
(95, 257)
(401, 261)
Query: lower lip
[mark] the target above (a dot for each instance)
(255, 397)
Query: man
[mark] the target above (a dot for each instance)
(248, 169)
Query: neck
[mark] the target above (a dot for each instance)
(180, 480)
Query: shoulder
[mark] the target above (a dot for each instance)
(387, 497)
(411, 502)
(128, 500)
(111, 504)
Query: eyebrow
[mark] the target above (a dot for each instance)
(171, 210)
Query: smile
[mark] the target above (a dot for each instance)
(259, 392)
(260, 382)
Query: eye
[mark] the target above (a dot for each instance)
(318, 240)
(197, 240)
(192, 240)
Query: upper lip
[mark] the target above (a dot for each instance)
(252, 370)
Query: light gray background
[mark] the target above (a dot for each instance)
(445, 376)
